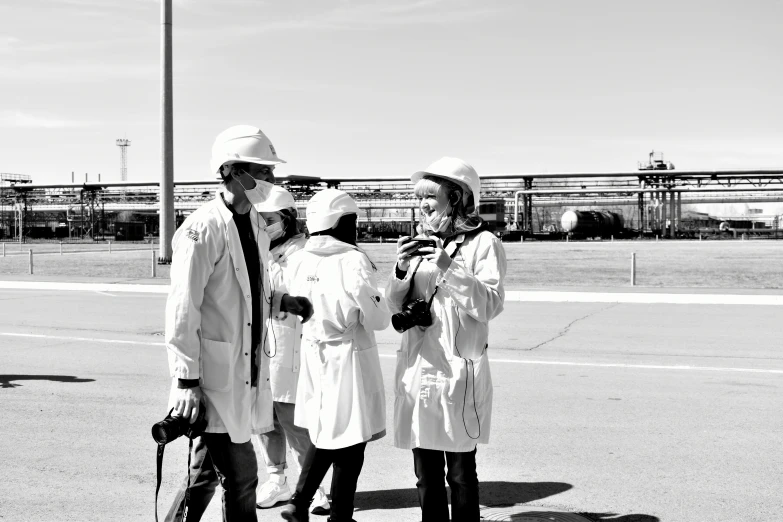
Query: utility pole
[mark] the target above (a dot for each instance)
(167, 137)
(167, 222)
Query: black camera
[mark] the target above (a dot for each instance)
(414, 313)
(172, 428)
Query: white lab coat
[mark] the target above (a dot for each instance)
(443, 388)
(208, 311)
(340, 399)
(286, 331)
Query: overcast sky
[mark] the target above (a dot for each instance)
(382, 88)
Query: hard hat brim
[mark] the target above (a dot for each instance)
(416, 176)
(243, 159)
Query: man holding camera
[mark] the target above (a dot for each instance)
(219, 301)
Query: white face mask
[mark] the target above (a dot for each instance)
(439, 222)
(275, 230)
(259, 193)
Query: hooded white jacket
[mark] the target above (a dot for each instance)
(286, 331)
(442, 383)
(340, 398)
(208, 311)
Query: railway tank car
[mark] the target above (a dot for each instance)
(592, 223)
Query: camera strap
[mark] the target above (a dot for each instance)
(457, 242)
(161, 448)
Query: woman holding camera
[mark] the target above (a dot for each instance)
(443, 298)
(340, 398)
(279, 213)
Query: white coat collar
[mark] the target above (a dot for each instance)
(327, 245)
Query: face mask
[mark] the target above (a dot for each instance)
(275, 231)
(259, 193)
(438, 222)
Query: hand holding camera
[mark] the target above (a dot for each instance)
(185, 418)
(408, 247)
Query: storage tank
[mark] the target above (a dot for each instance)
(591, 223)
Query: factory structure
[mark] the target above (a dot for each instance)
(647, 202)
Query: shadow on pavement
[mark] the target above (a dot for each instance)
(613, 517)
(6, 380)
(495, 494)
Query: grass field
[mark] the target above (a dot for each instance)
(671, 264)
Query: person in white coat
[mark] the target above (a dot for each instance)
(340, 398)
(443, 386)
(280, 214)
(219, 298)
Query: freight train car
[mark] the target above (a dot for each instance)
(591, 224)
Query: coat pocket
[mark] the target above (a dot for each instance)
(216, 357)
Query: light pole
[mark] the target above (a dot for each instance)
(167, 138)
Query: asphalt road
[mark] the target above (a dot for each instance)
(627, 412)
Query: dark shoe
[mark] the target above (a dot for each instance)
(294, 511)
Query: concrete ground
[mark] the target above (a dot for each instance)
(621, 412)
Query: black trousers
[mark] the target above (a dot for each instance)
(462, 479)
(347, 464)
(218, 460)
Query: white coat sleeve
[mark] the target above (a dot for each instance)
(278, 289)
(195, 253)
(397, 289)
(373, 310)
(480, 294)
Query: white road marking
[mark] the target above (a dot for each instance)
(85, 287)
(86, 339)
(494, 361)
(521, 296)
(549, 296)
(630, 366)
(105, 293)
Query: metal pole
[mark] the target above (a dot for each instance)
(663, 214)
(679, 210)
(633, 268)
(31, 261)
(154, 263)
(167, 222)
(3, 249)
(61, 248)
(110, 246)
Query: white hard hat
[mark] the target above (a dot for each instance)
(453, 169)
(327, 207)
(279, 199)
(243, 144)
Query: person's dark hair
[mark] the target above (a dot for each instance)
(344, 230)
(290, 225)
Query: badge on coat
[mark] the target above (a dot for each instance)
(192, 235)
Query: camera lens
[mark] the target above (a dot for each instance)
(402, 321)
(166, 430)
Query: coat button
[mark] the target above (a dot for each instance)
(249, 324)
(245, 353)
(248, 297)
(247, 382)
(237, 270)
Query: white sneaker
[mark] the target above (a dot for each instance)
(320, 504)
(271, 492)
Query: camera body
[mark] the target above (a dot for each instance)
(414, 313)
(172, 428)
(422, 243)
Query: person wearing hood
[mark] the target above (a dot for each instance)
(280, 214)
(340, 398)
(443, 297)
(219, 300)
